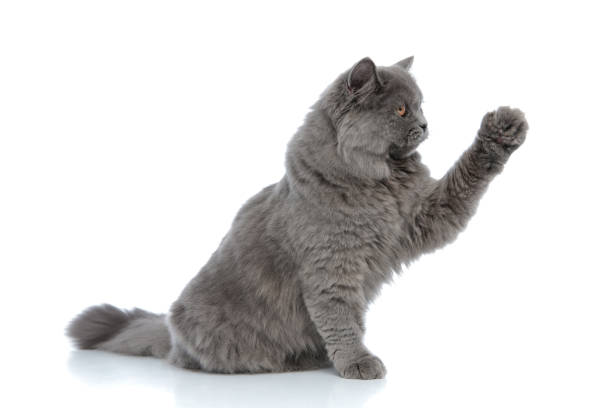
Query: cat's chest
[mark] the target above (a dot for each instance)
(364, 225)
(383, 206)
(366, 242)
(371, 223)
(379, 211)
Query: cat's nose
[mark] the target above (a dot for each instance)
(423, 126)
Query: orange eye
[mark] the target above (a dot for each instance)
(401, 110)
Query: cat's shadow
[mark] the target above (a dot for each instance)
(318, 388)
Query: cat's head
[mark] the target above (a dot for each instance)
(377, 116)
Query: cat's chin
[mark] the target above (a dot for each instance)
(403, 152)
(399, 156)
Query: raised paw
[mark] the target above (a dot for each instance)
(503, 130)
(368, 367)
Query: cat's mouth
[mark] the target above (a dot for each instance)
(408, 144)
(418, 135)
(415, 138)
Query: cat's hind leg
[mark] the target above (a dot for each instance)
(307, 360)
(179, 357)
(219, 345)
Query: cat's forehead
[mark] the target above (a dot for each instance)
(398, 81)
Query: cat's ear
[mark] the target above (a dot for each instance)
(406, 63)
(361, 74)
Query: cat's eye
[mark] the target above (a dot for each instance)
(401, 110)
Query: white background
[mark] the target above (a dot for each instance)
(132, 131)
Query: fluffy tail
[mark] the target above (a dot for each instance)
(136, 332)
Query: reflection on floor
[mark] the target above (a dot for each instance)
(319, 388)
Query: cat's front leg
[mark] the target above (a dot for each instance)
(337, 306)
(453, 199)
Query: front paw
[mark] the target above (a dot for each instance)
(368, 367)
(503, 131)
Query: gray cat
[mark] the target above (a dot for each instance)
(289, 285)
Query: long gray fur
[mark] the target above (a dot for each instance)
(289, 285)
